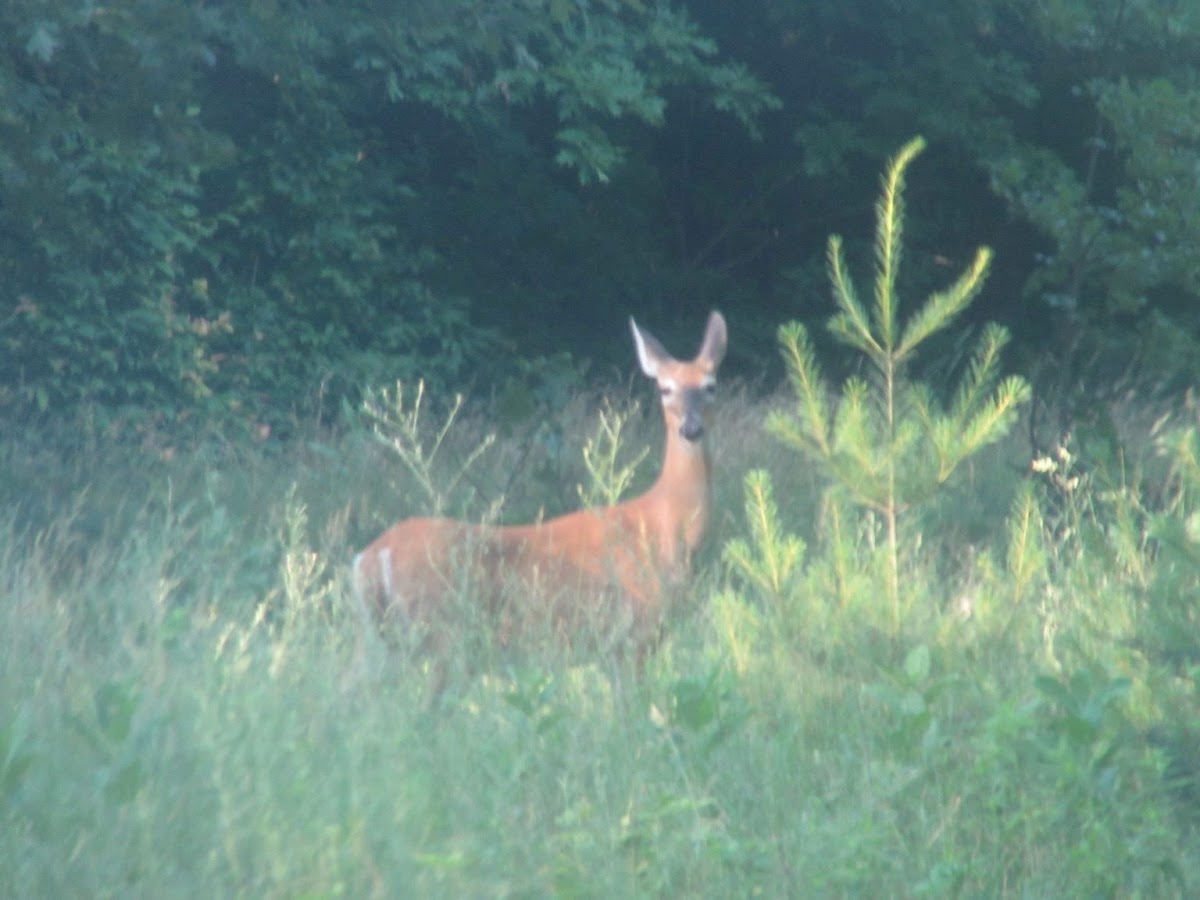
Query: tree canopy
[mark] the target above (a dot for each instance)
(233, 212)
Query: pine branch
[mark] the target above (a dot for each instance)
(772, 557)
(941, 308)
(809, 386)
(889, 230)
(1026, 551)
(981, 372)
(850, 324)
(852, 431)
(944, 435)
(856, 442)
(786, 429)
(993, 421)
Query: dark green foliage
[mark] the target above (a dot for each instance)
(1064, 136)
(236, 214)
(224, 213)
(100, 154)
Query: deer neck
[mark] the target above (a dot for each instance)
(682, 491)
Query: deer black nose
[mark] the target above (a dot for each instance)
(692, 427)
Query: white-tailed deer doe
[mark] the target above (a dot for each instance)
(614, 565)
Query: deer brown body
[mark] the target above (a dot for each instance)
(606, 564)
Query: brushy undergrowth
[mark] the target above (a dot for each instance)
(184, 710)
(997, 699)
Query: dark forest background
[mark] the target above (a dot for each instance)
(235, 215)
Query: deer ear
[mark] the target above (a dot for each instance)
(712, 350)
(651, 354)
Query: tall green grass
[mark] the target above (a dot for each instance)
(186, 710)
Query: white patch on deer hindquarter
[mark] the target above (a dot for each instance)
(385, 571)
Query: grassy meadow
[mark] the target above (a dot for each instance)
(188, 707)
